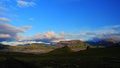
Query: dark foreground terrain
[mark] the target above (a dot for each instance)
(64, 58)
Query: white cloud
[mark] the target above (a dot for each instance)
(46, 37)
(3, 19)
(27, 27)
(49, 37)
(5, 36)
(22, 3)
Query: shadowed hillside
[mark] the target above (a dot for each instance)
(106, 42)
(3, 46)
(63, 50)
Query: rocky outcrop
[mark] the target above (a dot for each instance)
(68, 43)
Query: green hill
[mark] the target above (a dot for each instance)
(31, 47)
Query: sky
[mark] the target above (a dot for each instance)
(58, 20)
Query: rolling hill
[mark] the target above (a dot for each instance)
(65, 58)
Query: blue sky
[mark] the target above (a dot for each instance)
(73, 17)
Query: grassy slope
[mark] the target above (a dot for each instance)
(31, 47)
(45, 47)
(65, 58)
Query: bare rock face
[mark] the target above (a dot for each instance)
(67, 43)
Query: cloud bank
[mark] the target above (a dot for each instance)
(109, 32)
(9, 32)
(47, 37)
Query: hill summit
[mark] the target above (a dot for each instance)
(67, 43)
